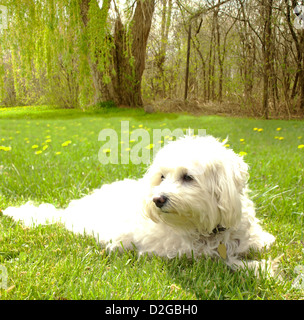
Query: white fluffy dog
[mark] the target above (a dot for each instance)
(192, 200)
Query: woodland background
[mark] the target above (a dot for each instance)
(239, 56)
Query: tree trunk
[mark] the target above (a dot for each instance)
(128, 56)
(160, 57)
(141, 24)
(188, 62)
(211, 63)
(220, 58)
(298, 38)
(196, 45)
(221, 54)
(301, 78)
(267, 8)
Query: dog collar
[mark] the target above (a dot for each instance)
(218, 229)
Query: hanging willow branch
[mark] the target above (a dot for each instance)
(45, 51)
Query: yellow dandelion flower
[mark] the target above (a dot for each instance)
(48, 140)
(260, 130)
(35, 146)
(301, 146)
(242, 153)
(227, 145)
(299, 137)
(38, 152)
(57, 153)
(150, 146)
(45, 147)
(281, 138)
(106, 150)
(276, 137)
(278, 129)
(2, 139)
(66, 143)
(242, 140)
(5, 148)
(140, 126)
(255, 129)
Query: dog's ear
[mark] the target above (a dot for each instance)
(230, 179)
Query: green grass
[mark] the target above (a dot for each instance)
(49, 262)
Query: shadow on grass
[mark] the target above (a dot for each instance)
(205, 278)
(210, 279)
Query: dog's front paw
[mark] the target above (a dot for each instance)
(262, 268)
(267, 240)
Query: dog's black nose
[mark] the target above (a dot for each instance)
(160, 201)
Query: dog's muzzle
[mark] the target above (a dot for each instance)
(160, 201)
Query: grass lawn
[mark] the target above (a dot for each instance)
(49, 155)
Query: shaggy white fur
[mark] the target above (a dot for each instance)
(192, 200)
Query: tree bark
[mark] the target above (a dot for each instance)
(220, 58)
(298, 38)
(211, 62)
(188, 62)
(160, 56)
(141, 25)
(196, 45)
(267, 8)
(128, 56)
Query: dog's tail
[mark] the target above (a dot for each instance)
(32, 216)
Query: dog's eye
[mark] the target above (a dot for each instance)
(187, 178)
(162, 177)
